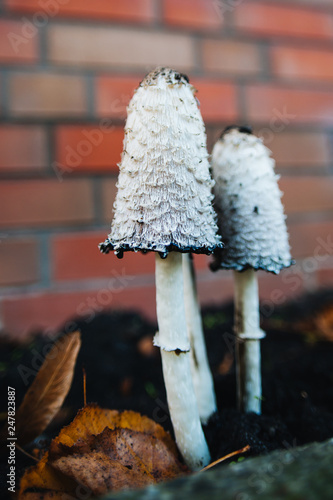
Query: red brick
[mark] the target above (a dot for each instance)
(15, 46)
(306, 239)
(218, 288)
(202, 14)
(278, 107)
(325, 278)
(215, 289)
(201, 262)
(124, 10)
(49, 311)
(108, 196)
(275, 20)
(299, 149)
(47, 95)
(227, 56)
(18, 261)
(274, 291)
(300, 64)
(218, 100)
(307, 194)
(78, 257)
(22, 148)
(88, 148)
(96, 47)
(113, 94)
(45, 202)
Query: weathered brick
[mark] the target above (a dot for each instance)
(113, 94)
(48, 311)
(299, 149)
(302, 64)
(218, 100)
(311, 239)
(45, 202)
(227, 56)
(201, 14)
(274, 291)
(88, 148)
(324, 277)
(16, 43)
(307, 194)
(113, 46)
(124, 10)
(19, 260)
(108, 196)
(278, 107)
(77, 257)
(22, 148)
(47, 95)
(214, 288)
(280, 20)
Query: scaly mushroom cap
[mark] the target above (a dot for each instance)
(164, 199)
(248, 203)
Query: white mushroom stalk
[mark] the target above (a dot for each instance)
(201, 373)
(247, 329)
(252, 222)
(164, 204)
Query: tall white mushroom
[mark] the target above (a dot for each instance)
(164, 204)
(252, 222)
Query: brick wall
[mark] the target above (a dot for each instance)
(68, 70)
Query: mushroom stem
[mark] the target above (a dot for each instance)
(247, 328)
(201, 374)
(175, 352)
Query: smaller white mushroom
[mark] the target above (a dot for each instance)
(252, 223)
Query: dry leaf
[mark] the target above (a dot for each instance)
(103, 450)
(92, 420)
(43, 477)
(46, 394)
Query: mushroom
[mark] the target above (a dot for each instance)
(201, 374)
(164, 205)
(252, 222)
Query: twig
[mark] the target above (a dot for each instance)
(84, 386)
(26, 453)
(238, 452)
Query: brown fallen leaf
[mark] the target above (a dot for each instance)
(99, 474)
(92, 420)
(43, 477)
(46, 394)
(104, 450)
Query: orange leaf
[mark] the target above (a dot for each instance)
(92, 420)
(103, 450)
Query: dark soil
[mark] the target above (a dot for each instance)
(124, 372)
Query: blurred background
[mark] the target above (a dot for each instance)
(68, 70)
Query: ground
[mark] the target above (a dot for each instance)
(124, 372)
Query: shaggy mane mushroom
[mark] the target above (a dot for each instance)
(252, 222)
(164, 204)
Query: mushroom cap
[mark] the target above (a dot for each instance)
(164, 198)
(248, 203)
